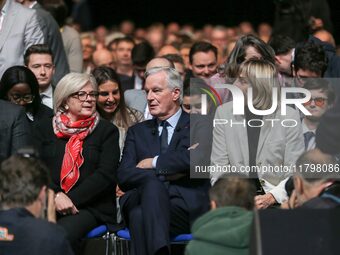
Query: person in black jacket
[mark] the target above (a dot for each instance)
(20, 86)
(23, 186)
(82, 153)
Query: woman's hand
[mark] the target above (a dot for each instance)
(64, 204)
(264, 201)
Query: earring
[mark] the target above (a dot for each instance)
(66, 107)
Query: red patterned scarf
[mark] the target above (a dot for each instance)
(73, 158)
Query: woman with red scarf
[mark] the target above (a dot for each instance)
(82, 153)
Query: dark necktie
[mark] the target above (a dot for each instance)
(308, 136)
(164, 137)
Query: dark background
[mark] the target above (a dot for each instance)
(225, 12)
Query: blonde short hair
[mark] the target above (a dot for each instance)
(69, 84)
(262, 77)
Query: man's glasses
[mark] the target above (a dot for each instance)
(83, 96)
(318, 101)
(27, 98)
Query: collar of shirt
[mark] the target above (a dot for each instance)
(48, 92)
(173, 120)
(305, 129)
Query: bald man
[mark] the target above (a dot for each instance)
(136, 98)
(167, 49)
(103, 57)
(312, 188)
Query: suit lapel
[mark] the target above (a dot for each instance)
(152, 133)
(265, 130)
(242, 137)
(183, 123)
(8, 22)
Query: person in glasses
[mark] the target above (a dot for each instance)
(20, 86)
(82, 152)
(111, 104)
(322, 99)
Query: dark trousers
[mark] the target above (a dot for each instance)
(152, 213)
(77, 226)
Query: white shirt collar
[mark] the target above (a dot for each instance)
(173, 120)
(305, 129)
(48, 92)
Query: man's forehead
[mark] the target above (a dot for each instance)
(318, 92)
(125, 44)
(34, 57)
(156, 79)
(204, 56)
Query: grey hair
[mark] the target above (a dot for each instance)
(69, 84)
(173, 78)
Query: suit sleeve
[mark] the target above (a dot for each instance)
(293, 149)
(128, 175)
(219, 152)
(104, 175)
(21, 132)
(75, 54)
(33, 32)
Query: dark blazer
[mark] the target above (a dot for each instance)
(31, 236)
(54, 40)
(142, 142)
(15, 131)
(95, 189)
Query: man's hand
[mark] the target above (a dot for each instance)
(291, 203)
(194, 146)
(119, 192)
(64, 204)
(264, 201)
(145, 163)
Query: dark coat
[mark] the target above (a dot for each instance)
(95, 189)
(30, 235)
(15, 131)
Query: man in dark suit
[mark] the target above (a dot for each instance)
(14, 129)
(160, 198)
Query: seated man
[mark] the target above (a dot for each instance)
(313, 189)
(226, 228)
(23, 187)
(160, 198)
